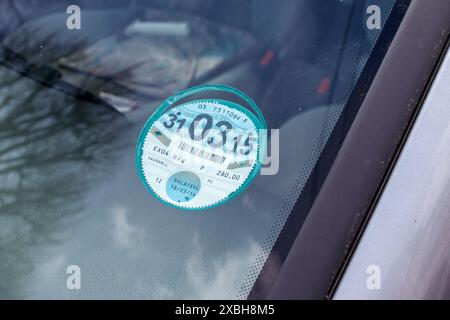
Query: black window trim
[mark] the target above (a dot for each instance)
(326, 226)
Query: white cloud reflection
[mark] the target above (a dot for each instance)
(125, 234)
(212, 278)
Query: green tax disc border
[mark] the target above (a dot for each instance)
(255, 116)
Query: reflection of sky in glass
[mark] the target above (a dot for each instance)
(72, 196)
(130, 245)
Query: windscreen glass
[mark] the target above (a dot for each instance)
(78, 81)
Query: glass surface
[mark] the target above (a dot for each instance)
(72, 103)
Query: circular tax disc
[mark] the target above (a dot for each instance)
(199, 154)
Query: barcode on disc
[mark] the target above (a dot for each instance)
(202, 154)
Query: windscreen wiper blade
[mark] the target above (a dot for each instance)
(47, 76)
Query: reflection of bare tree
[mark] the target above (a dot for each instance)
(52, 145)
(13, 13)
(127, 63)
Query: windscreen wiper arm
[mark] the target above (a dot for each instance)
(47, 76)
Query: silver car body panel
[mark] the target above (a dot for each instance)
(406, 243)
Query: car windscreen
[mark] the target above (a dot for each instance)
(73, 100)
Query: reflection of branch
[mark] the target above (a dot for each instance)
(36, 138)
(17, 111)
(50, 143)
